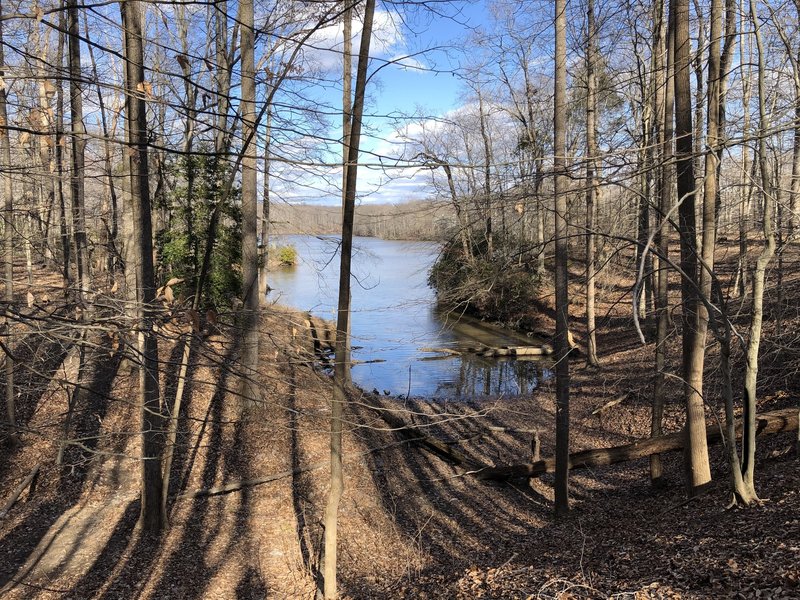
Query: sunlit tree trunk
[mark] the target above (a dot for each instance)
(759, 273)
(8, 243)
(697, 462)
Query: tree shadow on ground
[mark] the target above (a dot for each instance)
(38, 358)
(301, 486)
(71, 480)
(449, 516)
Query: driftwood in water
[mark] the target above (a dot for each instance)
(777, 421)
(29, 481)
(321, 336)
(494, 351)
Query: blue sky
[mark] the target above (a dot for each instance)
(421, 81)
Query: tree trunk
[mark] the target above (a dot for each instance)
(59, 156)
(562, 345)
(347, 130)
(249, 387)
(152, 517)
(487, 185)
(263, 261)
(759, 275)
(662, 242)
(110, 228)
(697, 464)
(593, 186)
(341, 359)
(8, 246)
(78, 138)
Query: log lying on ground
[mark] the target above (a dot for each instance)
(777, 421)
(435, 445)
(610, 404)
(29, 481)
(492, 351)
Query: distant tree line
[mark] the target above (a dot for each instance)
(414, 220)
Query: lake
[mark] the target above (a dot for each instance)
(394, 317)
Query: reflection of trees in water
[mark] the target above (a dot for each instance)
(478, 376)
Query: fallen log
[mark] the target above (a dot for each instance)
(777, 421)
(435, 445)
(492, 351)
(240, 485)
(610, 404)
(28, 481)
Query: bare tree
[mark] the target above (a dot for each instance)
(759, 274)
(341, 356)
(251, 300)
(562, 345)
(152, 517)
(8, 245)
(665, 193)
(697, 463)
(592, 183)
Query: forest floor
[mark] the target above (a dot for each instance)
(411, 524)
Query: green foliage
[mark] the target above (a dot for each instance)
(499, 288)
(196, 189)
(287, 255)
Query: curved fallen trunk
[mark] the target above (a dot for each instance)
(777, 421)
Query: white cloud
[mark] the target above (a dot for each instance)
(326, 45)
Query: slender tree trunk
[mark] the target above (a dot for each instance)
(759, 274)
(250, 314)
(263, 276)
(110, 223)
(794, 194)
(8, 246)
(341, 364)
(562, 345)
(347, 131)
(593, 186)
(697, 463)
(662, 242)
(487, 185)
(745, 179)
(152, 517)
(78, 139)
(66, 247)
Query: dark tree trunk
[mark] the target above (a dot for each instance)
(562, 345)
(152, 517)
(341, 357)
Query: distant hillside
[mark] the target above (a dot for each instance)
(420, 220)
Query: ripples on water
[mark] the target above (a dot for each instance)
(394, 315)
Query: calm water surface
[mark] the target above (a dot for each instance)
(394, 317)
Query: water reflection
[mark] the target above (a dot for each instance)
(394, 318)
